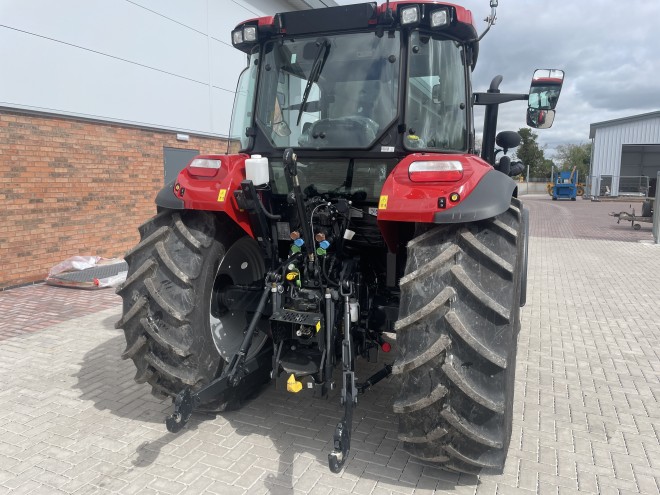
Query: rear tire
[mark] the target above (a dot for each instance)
(459, 320)
(169, 303)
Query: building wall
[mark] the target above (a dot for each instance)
(72, 187)
(160, 63)
(609, 141)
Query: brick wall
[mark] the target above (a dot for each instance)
(72, 187)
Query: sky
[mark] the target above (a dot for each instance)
(608, 50)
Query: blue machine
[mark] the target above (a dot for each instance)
(565, 186)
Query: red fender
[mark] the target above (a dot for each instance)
(213, 189)
(403, 200)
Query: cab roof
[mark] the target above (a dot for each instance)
(460, 22)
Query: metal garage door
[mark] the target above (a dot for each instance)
(640, 164)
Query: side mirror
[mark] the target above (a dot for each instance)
(508, 140)
(540, 119)
(545, 88)
(543, 96)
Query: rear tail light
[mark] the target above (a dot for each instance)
(436, 171)
(204, 167)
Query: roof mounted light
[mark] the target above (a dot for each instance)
(436, 171)
(439, 18)
(245, 34)
(250, 33)
(410, 15)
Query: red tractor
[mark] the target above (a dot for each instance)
(355, 212)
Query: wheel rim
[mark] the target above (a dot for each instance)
(242, 264)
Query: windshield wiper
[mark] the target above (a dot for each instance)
(314, 74)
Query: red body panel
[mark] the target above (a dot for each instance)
(403, 200)
(206, 193)
(266, 21)
(548, 80)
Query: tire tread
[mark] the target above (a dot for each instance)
(456, 333)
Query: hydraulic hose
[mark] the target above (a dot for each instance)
(268, 214)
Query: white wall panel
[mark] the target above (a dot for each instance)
(162, 63)
(226, 64)
(116, 28)
(89, 87)
(192, 13)
(221, 105)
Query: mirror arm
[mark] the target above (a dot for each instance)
(497, 98)
(492, 100)
(490, 19)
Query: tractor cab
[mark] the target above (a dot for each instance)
(360, 82)
(395, 79)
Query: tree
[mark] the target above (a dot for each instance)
(531, 155)
(575, 155)
(546, 168)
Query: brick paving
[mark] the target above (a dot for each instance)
(586, 416)
(31, 308)
(584, 219)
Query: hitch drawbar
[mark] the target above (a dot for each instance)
(247, 373)
(255, 372)
(342, 437)
(350, 388)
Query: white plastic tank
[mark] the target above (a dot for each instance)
(256, 170)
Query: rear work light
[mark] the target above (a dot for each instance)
(410, 15)
(204, 167)
(250, 33)
(439, 18)
(247, 34)
(436, 171)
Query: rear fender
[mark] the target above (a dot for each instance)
(192, 191)
(166, 198)
(482, 193)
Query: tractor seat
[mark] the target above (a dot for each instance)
(345, 132)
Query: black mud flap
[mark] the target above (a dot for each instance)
(166, 198)
(491, 197)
